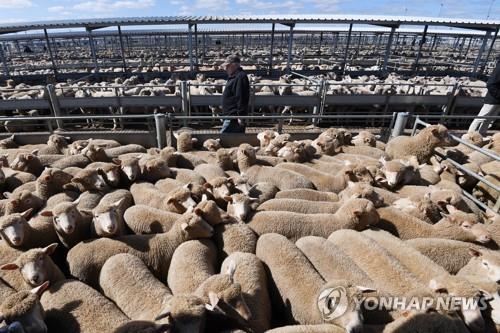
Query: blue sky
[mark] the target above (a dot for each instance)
(36, 10)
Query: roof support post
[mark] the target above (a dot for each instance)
(196, 45)
(4, 61)
(347, 48)
(204, 44)
(190, 47)
(122, 49)
(388, 49)
(489, 52)
(49, 48)
(475, 71)
(420, 45)
(271, 50)
(468, 47)
(320, 42)
(92, 50)
(242, 44)
(290, 46)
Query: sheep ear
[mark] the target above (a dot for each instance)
(9, 267)
(50, 249)
(188, 186)
(351, 184)
(475, 253)
(204, 198)
(378, 136)
(218, 140)
(34, 152)
(40, 289)
(76, 180)
(214, 300)
(366, 289)
(47, 213)
(198, 211)
(166, 314)
(118, 203)
(117, 161)
(382, 160)
(231, 268)
(7, 195)
(26, 214)
(194, 140)
(451, 209)
(184, 226)
(176, 135)
(207, 186)
(172, 201)
(437, 287)
(228, 198)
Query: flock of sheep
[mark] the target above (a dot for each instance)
(102, 237)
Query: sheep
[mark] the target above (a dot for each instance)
(239, 205)
(365, 138)
(8, 142)
(86, 259)
(276, 144)
(234, 237)
(361, 191)
(283, 179)
(300, 206)
(377, 262)
(365, 151)
(221, 188)
(71, 225)
(298, 301)
(187, 176)
(187, 313)
(127, 281)
(21, 201)
(192, 263)
(422, 208)
(427, 322)
(210, 171)
(265, 137)
(450, 254)
(88, 200)
(396, 173)
(72, 306)
(184, 141)
(115, 152)
(353, 214)
(483, 263)
(297, 152)
(331, 262)
(79, 161)
(250, 274)
(153, 169)
(28, 163)
(188, 160)
(212, 144)
(177, 201)
(142, 219)
(421, 145)
(457, 225)
(51, 182)
(110, 170)
(108, 215)
(14, 179)
(324, 182)
(24, 307)
(129, 167)
(169, 155)
(307, 194)
(88, 180)
(18, 233)
(320, 328)
(36, 267)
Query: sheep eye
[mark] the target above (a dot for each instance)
(485, 264)
(466, 226)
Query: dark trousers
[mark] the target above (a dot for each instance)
(232, 126)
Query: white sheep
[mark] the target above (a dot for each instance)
(108, 214)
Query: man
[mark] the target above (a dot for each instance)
(491, 105)
(235, 96)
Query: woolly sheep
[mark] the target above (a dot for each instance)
(185, 141)
(187, 176)
(265, 137)
(484, 263)
(71, 225)
(234, 237)
(176, 202)
(36, 267)
(153, 169)
(110, 170)
(142, 219)
(298, 301)
(25, 308)
(127, 281)
(88, 180)
(115, 152)
(421, 145)
(28, 163)
(72, 306)
(320, 328)
(129, 167)
(250, 274)
(79, 161)
(86, 259)
(307, 194)
(353, 214)
(457, 226)
(108, 215)
(192, 263)
(210, 171)
(364, 150)
(300, 206)
(212, 144)
(239, 205)
(331, 262)
(361, 191)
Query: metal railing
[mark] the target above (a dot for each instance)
(462, 168)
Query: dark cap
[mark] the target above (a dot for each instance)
(232, 59)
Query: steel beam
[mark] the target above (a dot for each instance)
(290, 46)
(489, 52)
(49, 48)
(272, 49)
(388, 49)
(190, 47)
(92, 50)
(480, 54)
(4, 61)
(122, 49)
(420, 46)
(347, 48)
(196, 45)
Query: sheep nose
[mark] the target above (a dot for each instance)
(16, 240)
(70, 229)
(484, 239)
(35, 278)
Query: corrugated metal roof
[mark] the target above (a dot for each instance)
(230, 30)
(284, 19)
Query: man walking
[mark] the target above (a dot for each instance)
(491, 105)
(235, 96)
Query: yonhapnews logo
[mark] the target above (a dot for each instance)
(333, 303)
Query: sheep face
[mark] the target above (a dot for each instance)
(489, 264)
(437, 135)
(276, 144)
(91, 180)
(212, 144)
(107, 222)
(8, 142)
(112, 174)
(13, 228)
(468, 222)
(395, 172)
(358, 174)
(361, 191)
(224, 159)
(364, 138)
(65, 217)
(129, 167)
(54, 177)
(24, 162)
(293, 152)
(186, 313)
(58, 141)
(239, 205)
(265, 137)
(77, 146)
(94, 153)
(181, 200)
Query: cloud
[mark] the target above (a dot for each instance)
(55, 9)
(103, 6)
(16, 3)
